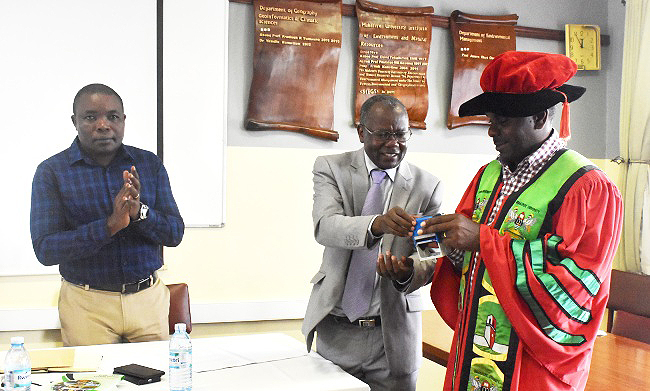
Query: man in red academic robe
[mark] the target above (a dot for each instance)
(526, 279)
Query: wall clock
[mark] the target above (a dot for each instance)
(583, 45)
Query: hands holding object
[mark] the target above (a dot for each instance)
(456, 231)
(429, 234)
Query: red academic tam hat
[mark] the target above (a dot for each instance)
(521, 84)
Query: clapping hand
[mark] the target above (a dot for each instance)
(126, 204)
(132, 180)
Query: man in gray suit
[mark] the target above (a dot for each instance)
(371, 330)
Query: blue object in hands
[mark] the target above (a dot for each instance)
(422, 242)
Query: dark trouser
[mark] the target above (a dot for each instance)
(360, 352)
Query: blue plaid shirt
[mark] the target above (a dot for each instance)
(72, 197)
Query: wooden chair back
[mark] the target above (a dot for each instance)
(629, 305)
(179, 306)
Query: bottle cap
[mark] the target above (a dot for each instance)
(17, 340)
(179, 327)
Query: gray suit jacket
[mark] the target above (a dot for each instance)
(340, 187)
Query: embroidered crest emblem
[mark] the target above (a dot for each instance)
(517, 223)
(492, 330)
(488, 338)
(478, 208)
(485, 375)
(484, 386)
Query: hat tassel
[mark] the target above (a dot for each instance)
(565, 121)
(565, 127)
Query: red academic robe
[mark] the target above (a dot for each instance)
(589, 225)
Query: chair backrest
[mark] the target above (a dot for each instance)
(179, 306)
(629, 305)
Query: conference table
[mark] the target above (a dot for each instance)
(247, 362)
(617, 363)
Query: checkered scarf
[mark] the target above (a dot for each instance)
(525, 171)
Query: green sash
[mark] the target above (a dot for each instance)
(524, 215)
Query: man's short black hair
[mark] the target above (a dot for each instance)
(385, 99)
(95, 88)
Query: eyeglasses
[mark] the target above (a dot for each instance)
(385, 135)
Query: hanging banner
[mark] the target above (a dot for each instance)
(393, 55)
(477, 40)
(295, 59)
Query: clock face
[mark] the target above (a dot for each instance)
(583, 45)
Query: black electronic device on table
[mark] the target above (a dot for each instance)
(139, 374)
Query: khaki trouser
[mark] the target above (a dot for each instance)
(91, 317)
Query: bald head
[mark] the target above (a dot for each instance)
(390, 102)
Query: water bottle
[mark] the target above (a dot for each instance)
(18, 367)
(180, 360)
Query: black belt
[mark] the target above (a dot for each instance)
(373, 321)
(132, 287)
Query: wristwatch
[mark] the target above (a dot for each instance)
(144, 212)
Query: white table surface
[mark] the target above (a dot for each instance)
(238, 363)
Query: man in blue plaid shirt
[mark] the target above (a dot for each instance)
(102, 211)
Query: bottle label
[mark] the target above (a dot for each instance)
(175, 360)
(180, 371)
(20, 379)
(179, 359)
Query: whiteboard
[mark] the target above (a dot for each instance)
(195, 67)
(50, 49)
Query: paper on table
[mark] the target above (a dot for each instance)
(243, 350)
(44, 359)
(213, 359)
(84, 361)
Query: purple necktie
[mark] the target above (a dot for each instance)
(361, 273)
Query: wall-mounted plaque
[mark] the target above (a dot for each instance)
(477, 40)
(393, 55)
(296, 56)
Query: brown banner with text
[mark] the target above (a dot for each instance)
(296, 56)
(477, 40)
(393, 55)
